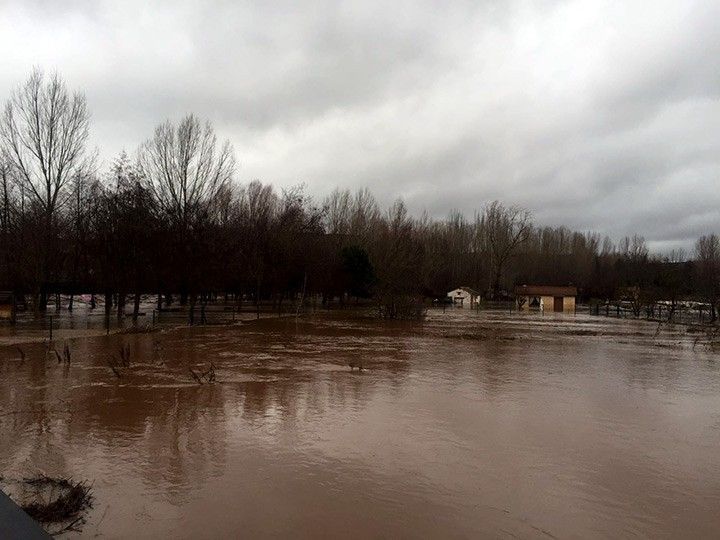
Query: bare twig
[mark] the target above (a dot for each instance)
(203, 377)
(114, 368)
(195, 376)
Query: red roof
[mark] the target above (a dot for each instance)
(545, 290)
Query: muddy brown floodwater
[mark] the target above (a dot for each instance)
(468, 425)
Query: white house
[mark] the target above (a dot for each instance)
(464, 296)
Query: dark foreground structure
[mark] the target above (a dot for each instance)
(14, 523)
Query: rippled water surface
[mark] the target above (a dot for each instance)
(468, 425)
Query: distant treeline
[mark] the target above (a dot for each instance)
(172, 219)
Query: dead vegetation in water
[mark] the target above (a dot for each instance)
(479, 336)
(582, 332)
(66, 357)
(138, 329)
(57, 500)
(707, 336)
(121, 361)
(124, 355)
(51, 352)
(203, 377)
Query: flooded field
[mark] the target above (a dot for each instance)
(469, 425)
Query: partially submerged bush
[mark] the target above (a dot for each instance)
(138, 329)
(401, 307)
(207, 376)
(57, 500)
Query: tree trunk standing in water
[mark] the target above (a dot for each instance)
(159, 302)
(191, 315)
(70, 303)
(108, 309)
(122, 297)
(92, 301)
(302, 295)
(257, 299)
(136, 307)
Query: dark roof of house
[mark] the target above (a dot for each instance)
(545, 290)
(469, 290)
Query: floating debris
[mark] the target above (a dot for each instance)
(57, 500)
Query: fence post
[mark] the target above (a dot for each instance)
(50, 327)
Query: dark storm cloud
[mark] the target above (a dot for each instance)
(597, 115)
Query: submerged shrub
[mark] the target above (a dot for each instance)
(57, 500)
(401, 307)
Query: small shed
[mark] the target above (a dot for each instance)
(7, 306)
(464, 296)
(546, 298)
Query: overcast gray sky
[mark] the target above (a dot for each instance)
(598, 115)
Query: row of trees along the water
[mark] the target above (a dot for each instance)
(171, 219)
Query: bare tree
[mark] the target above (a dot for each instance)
(365, 216)
(6, 195)
(337, 208)
(7, 215)
(44, 131)
(505, 228)
(185, 168)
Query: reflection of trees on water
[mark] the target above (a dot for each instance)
(493, 365)
(34, 410)
(154, 420)
(177, 435)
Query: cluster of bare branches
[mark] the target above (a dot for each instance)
(122, 361)
(60, 501)
(206, 376)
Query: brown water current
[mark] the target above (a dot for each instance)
(468, 425)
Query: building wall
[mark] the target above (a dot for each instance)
(469, 300)
(549, 303)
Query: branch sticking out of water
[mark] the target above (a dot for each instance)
(125, 355)
(711, 337)
(207, 376)
(114, 368)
